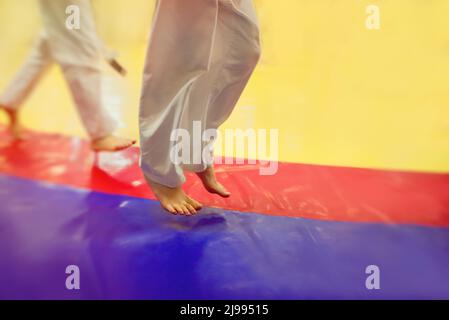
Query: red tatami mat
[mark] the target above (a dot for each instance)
(296, 190)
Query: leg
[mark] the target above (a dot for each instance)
(23, 84)
(178, 54)
(235, 54)
(85, 85)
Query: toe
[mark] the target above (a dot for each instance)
(169, 208)
(178, 209)
(194, 203)
(224, 192)
(220, 190)
(129, 143)
(122, 146)
(185, 210)
(190, 208)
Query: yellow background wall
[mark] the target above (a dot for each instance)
(339, 93)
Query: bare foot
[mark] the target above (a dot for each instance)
(111, 143)
(211, 184)
(174, 200)
(15, 126)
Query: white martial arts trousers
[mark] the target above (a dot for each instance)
(200, 58)
(78, 52)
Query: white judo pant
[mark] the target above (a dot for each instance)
(200, 58)
(78, 53)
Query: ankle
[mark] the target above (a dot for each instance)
(13, 115)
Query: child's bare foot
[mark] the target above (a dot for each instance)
(211, 184)
(174, 200)
(111, 143)
(15, 126)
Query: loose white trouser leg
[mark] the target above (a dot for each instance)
(200, 57)
(28, 76)
(234, 56)
(85, 85)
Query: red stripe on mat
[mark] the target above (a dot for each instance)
(297, 190)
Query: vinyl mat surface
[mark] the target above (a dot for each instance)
(54, 214)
